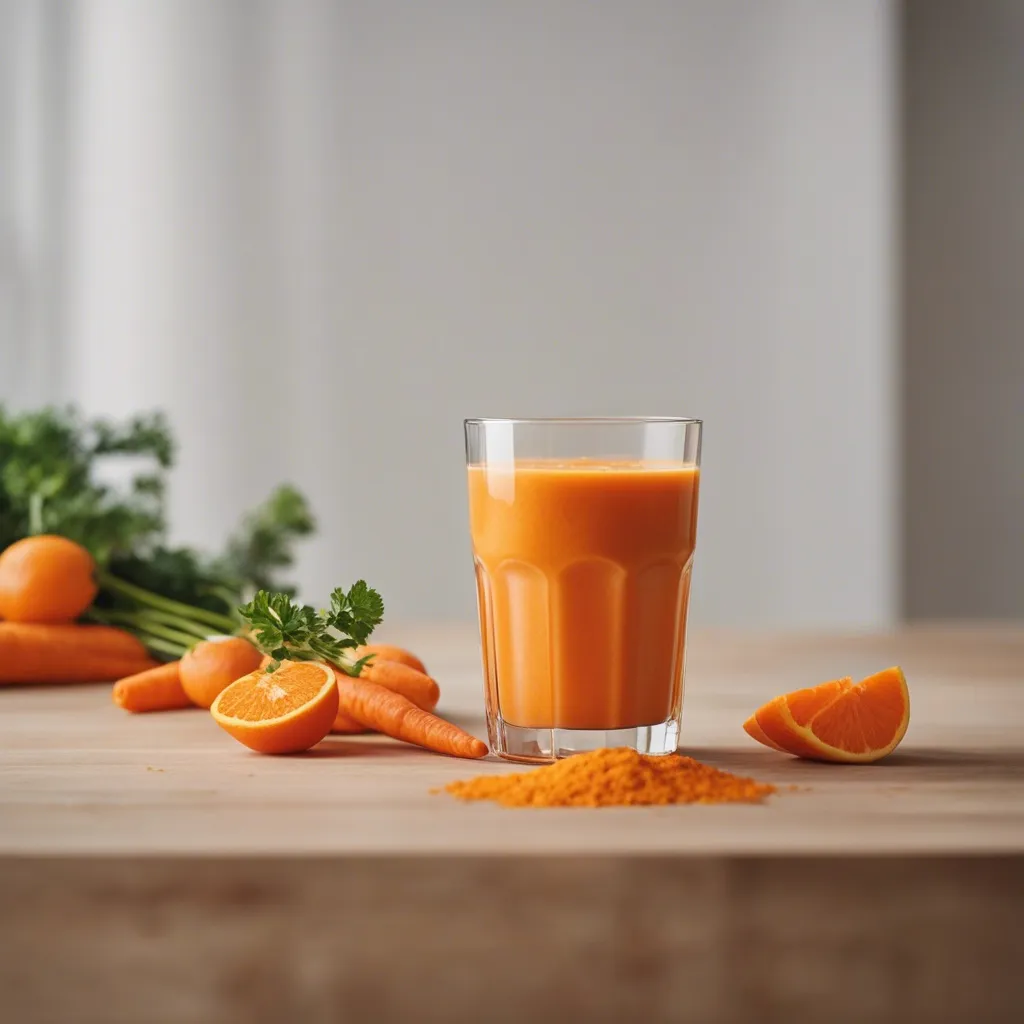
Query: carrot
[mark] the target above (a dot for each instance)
(389, 652)
(156, 689)
(347, 724)
(391, 713)
(34, 652)
(398, 678)
(410, 683)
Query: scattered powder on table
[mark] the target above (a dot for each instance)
(614, 777)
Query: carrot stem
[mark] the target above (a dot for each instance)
(224, 594)
(35, 513)
(223, 623)
(197, 630)
(156, 643)
(152, 626)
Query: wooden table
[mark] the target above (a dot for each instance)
(155, 870)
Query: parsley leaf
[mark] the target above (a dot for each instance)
(285, 630)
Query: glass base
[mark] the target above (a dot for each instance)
(516, 743)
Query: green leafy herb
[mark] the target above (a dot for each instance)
(285, 630)
(263, 543)
(49, 481)
(56, 477)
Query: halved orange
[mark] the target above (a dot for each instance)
(280, 712)
(855, 723)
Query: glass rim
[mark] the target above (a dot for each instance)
(609, 421)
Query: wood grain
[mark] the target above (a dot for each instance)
(151, 868)
(708, 940)
(80, 776)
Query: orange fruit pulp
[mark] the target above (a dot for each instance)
(280, 712)
(842, 721)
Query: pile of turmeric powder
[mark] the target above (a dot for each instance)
(614, 777)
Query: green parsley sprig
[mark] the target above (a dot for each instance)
(287, 631)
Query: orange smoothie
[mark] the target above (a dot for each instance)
(583, 579)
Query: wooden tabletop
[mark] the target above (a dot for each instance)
(78, 775)
(151, 868)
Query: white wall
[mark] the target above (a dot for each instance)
(964, 253)
(33, 134)
(324, 234)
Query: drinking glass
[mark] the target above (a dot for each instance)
(583, 536)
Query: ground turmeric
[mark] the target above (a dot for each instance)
(614, 777)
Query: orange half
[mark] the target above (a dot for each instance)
(839, 720)
(280, 712)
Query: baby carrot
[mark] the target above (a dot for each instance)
(389, 652)
(157, 689)
(33, 652)
(391, 713)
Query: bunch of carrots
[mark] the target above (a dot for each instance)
(48, 582)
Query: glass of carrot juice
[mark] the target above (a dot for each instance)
(583, 536)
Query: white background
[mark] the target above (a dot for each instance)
(321, 235)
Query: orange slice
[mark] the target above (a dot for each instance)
(754, 730)
(839, 720)
(280, 712)
(797, 708)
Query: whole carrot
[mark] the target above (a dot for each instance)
(347, 724)
(68, 653)
(409, 682)
(156, 689)
(391, 713)
(389, 652)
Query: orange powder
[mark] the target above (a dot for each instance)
(614, 777)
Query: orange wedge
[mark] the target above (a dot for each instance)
(280, 712)
(798, 708)
(854, 723)
(753, 729)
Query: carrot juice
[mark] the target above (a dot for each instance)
(583, 581)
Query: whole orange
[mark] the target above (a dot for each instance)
(213, 665)
(45, 579)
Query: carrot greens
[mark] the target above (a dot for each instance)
(284, 630)
(104, 485)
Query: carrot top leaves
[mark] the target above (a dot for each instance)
(356, 613)
(285, 630)
(54, 478)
